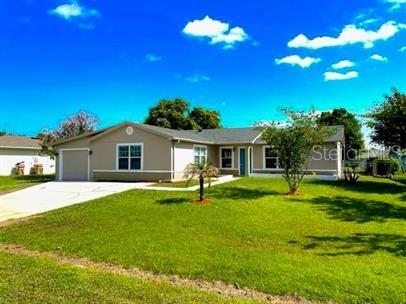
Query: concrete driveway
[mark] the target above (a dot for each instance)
(54, 195)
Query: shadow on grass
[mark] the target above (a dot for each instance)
(358, 210)
(232, 192)
(174, 201)
(358, 244)
(379, 186)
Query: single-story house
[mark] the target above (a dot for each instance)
(139, 152)
(21, 149)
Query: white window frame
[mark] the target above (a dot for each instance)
(264, 159)
(199, 146)
(232, 157)
(129, 157)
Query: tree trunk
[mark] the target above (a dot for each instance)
(201, 181)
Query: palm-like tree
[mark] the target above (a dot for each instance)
(202, 171)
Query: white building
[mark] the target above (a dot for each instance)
(16, 149)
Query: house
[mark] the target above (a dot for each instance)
(18, 149)
(140, 152)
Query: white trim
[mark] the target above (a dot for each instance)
(60, 166)
(129, 156)
(199, 146)
(264, 160)
(232, 157)
(259, 135)
(339, 159)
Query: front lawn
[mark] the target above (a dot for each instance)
(336, 242)
(16, 182)
(38, 280)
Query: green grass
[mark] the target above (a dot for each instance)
(38, 280)
(180, 184)
(345, 243)
(16, 182)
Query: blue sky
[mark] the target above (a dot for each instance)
(246, 59)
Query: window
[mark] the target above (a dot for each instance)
(226, 157)
(270, 158)
(200, 153)
(129, 157)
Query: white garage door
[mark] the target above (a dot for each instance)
(75, 165)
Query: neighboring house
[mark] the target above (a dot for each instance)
(139, 152)
(17, 149)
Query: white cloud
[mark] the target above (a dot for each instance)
(368, 21)
(297, 60)
(73, 10)
(217, 31)
(342, 64)
(396, 4)
(340, 76)
(153, 58)
(350, 34)
(402, 49)
(197, 78)
(378, 57)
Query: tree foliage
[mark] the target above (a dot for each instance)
(294, 142)
(2, 133)
(176, 114)
(76, 124)
(352, 129)
(388, 121)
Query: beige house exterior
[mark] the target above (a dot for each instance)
(139, 152)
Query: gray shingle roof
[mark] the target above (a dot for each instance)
(229, 135)
(12, 141)
(208, 136)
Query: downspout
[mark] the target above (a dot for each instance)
(173, 160)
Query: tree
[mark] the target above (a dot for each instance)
(202, 171)
(388, 121)
(2, 133)
(352, 129)
(205, 119)
(74, 125)
(172, 114)
(293, 142)
(176, 114)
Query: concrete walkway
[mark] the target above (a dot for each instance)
(54, 195)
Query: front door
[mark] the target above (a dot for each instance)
(242, 162)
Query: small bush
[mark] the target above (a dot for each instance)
(386, 167)
(369, 167)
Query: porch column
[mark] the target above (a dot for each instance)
(247, 160)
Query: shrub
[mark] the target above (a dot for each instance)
(386, 167)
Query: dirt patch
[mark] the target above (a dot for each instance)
(204, 202)
(221, 288)
(17, 220)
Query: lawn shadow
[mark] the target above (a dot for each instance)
(174, 201)
(379, 186)
(358, 210)
(232, 192)
(357, 244)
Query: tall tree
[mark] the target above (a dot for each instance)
(388, 121)
(352, 129)
(176, 114)
(76, 124)
(294, 141)
(205, 119)
(172, 114)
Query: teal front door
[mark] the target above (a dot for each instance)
(242, 162)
